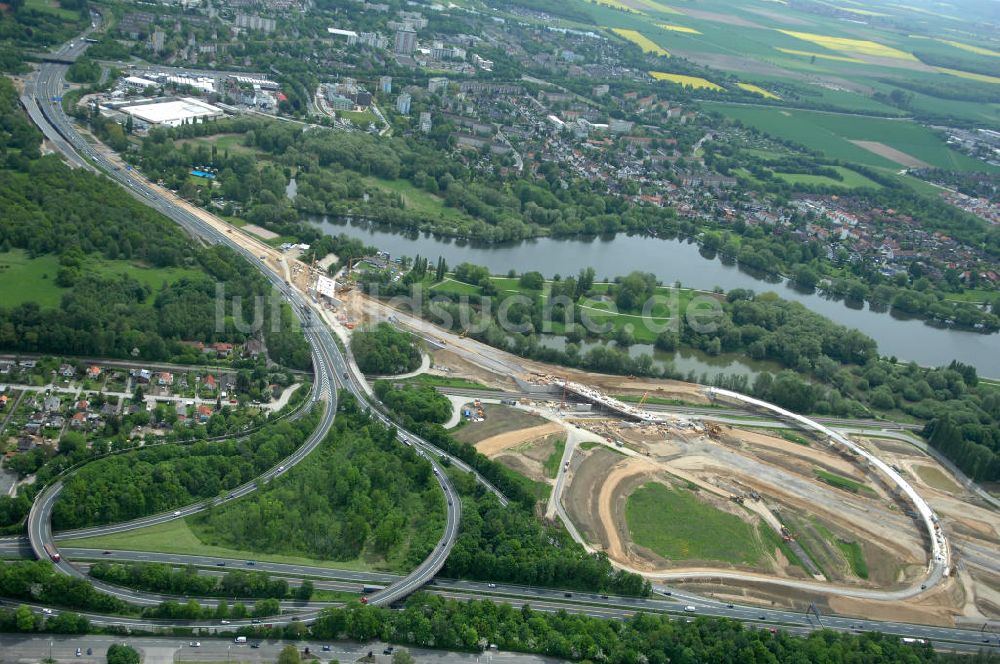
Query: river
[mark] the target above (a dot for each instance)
(681, 261)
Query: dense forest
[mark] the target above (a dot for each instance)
(361, 494)
(432, 621)
(48, 208)
(161, 478)
(413, 403)
(384, 350)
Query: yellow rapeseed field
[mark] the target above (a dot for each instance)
(978, 50)
(646, 44)
(819, 56)
(750, 87)
(982, 78)
(678, 28)
(681, 79)
(855, 46)
(656, 6)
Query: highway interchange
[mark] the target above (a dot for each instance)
(334, 371)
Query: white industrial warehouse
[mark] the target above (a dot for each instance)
(173, 113)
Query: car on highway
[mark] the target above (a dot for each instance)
(106, 553)
(326, 648)
(47, 612)
(729, 606)
(79, 652)
(690, 609)
(221, 563)
(255, 621)
(195, 644)
(251, 563)
(567, 594)
(491, 585)
(255, 644)
(177, 513)
(280, 468)
(224, 622)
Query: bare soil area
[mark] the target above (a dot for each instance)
(499, 419)
(495, 444)
(892, 154)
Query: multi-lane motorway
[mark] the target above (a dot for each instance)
(330, 366)
(333, 371)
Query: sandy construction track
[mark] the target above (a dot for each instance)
(496, 444)
(609, 495)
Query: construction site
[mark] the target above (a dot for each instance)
(756, 508)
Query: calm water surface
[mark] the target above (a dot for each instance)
(681, 260)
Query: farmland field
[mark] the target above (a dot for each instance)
(686, 81)
(832, 134)
(750, 87)
(640, 40)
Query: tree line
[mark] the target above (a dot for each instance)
(431, 621)
(166, 579)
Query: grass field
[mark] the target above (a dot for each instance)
(676, 525)
(24, 279)
(795, 438)
(687, 81)
(855, 557)
(447, 381)
(177, 537)
(841, 482)
(358, 118)
(553, 460)
(852, 179)
(231, 142)
(419, 200)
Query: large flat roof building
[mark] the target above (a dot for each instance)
(173, 113)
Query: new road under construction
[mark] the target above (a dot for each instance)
(684, 454)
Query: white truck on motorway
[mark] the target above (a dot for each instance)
(240, 639)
